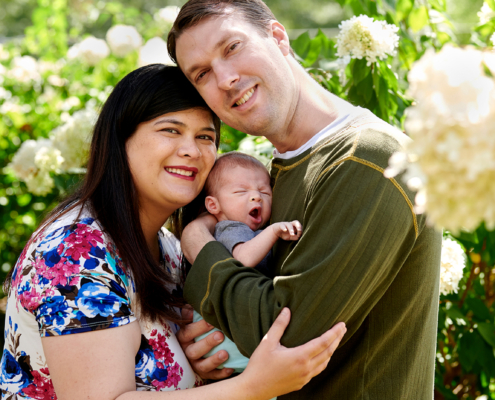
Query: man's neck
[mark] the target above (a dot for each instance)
(315, 108)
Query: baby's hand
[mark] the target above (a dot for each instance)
(287, 230)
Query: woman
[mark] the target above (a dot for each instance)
(102, 260)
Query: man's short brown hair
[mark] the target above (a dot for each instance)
(256, 12)
(228, 161)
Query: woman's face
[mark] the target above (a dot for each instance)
(170, 158)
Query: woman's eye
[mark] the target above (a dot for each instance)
(170, 130)
(207, 137)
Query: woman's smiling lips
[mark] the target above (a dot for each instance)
(182, 172)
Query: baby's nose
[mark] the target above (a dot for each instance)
(256, 197)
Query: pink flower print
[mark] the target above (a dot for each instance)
(79, 243)
(62, 272)
(161, 350)
(30, 300)
(175, 373)
(159, 385)
(41, 388)
(198, 381)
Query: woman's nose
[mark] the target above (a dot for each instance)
(189, 149)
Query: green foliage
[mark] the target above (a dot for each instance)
(465, 360)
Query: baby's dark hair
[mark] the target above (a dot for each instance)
(229, 161)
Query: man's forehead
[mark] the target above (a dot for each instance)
(206, 37)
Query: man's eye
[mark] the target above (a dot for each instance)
(201, 75)
(231, 48)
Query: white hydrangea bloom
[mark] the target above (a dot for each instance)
(48, 158)
(363, 37)
(123, 39)
(167, 14)
(154, 52)
(23, 163)
(40, 184)
(74, 137)
(451, 162)
(453, 261)
(486, 13)
(91, 51)
(24, 69)
(492, 39)
(33, 163)
(4, 54)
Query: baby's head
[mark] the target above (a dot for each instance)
(238, 189)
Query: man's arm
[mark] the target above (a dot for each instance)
(196, 234)
(251, 252)
(359, 229)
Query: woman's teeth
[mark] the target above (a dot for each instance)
(179, 171)
(245, 98)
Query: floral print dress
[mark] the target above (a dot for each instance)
(69, 279)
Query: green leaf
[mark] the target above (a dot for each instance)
(491, 3)
(301, 45)
(418, 18)
(359, 70)
(470, 347)
(439, 5)
(487, 331)
(388, 75)
(365, 87)
(479, 309)
(455, 314)
(314, 51)
(404, 7)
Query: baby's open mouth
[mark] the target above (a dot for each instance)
(255, 212)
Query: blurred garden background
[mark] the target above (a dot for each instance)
(425, 66)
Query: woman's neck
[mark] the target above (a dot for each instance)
(150, 227)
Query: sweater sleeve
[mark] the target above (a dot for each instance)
(358, 231)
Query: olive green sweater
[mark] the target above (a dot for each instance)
(364, 258)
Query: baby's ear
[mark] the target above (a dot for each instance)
(212, 205)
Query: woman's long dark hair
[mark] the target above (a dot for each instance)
(108, 189)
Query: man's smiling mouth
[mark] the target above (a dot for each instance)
(244, 98)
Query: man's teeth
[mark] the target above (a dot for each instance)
(179, 171)
(245, 98)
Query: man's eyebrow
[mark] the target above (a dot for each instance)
(219, 44)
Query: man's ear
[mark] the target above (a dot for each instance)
(281, 38)
(212, 205)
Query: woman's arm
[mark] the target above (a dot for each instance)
(100, 365)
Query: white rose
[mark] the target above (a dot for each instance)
(453, 261)
(154, 52)
(92, 50)
(123, 39)
(363, 37)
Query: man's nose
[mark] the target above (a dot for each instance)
(227, 77)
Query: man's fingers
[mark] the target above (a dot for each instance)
(188, 332)
(278, 327)
(207, 367)
(187, 312)
(197, 350)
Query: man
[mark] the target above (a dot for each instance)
(364, 257)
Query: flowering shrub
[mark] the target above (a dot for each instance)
(402, 62)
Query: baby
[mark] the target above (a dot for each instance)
(240, 197)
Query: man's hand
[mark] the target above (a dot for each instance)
(196, 235)
(204, 367)
(287, 230)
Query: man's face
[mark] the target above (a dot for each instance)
(242, 75)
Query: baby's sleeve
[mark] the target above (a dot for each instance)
(231, 233)
(79, 283)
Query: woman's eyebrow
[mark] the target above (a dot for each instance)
(169, 120)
